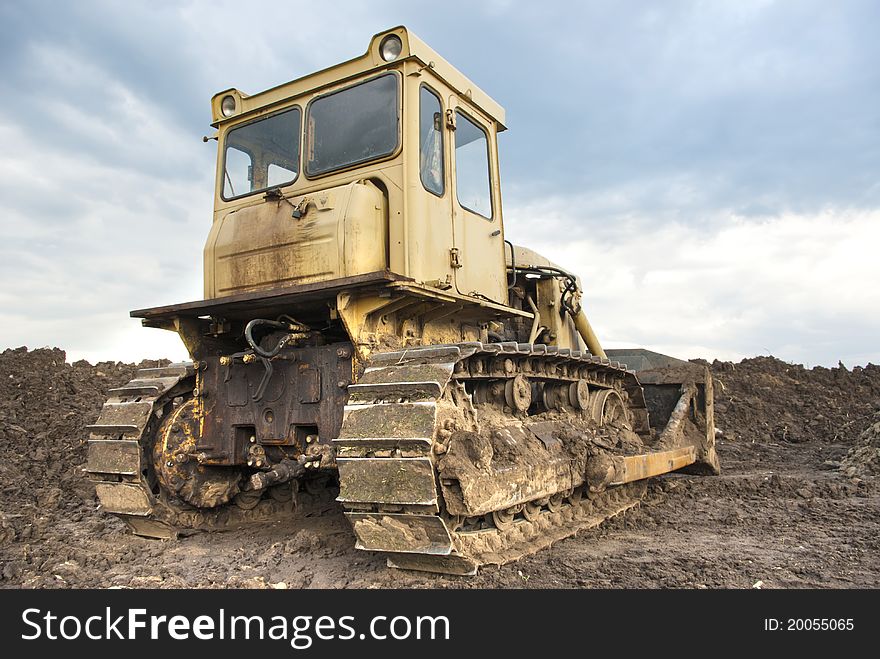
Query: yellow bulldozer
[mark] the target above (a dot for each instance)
(366, 325)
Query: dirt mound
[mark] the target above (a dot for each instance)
(45, 404)
(863, 459)
(765, 399)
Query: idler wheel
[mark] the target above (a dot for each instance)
(554, 503)
(518, 393)
(248, 499)
(607, 408)
(531, 511)
(579, 395)
(503, 519)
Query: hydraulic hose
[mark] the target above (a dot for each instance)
(275, 324)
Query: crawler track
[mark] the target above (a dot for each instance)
(448, 461)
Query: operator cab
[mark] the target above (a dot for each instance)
(385, 162)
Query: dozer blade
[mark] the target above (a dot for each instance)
(679, 398)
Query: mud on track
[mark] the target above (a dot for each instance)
(797, 504)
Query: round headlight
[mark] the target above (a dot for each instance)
(390, 48)
(227, 106)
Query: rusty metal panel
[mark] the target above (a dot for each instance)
(308, 383)
(305, 395)
(423, 534)
(124, 498)
(114, 456)
(408, 481)
(236, 383)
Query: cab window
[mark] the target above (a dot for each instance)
(431, 141)
(472, 166)
(352, 126)
(262, 154)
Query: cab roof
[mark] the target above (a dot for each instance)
(413, 48)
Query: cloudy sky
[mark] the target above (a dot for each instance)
(710, 169)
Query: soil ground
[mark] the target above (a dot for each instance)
(797, 504)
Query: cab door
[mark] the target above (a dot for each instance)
(478, 238)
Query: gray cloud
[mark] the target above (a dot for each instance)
(774, 103)
(624, 119)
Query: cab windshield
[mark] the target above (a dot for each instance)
(353, 125)
(347, 127)
(262, 154)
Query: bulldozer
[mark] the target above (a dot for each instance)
(366, 326)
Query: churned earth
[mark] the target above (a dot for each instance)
(797, 504)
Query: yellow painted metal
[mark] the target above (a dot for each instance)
(638, 467)
(588, 335)
(342, 231)
(554, 328)
(672, 432)
(378, 216)
(412, 314)
(479, 240)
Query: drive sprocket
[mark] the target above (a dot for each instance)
(177, 466)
